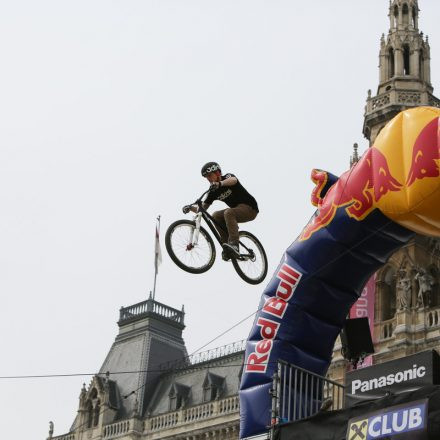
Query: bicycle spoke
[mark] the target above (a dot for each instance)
(253, 268)
(196, 257)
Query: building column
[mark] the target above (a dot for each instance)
(392, 23)
(398, 62)
(427, 70)
(414, 63)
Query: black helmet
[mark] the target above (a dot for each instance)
(210, 167)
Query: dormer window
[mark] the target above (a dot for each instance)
(209, 393)
(213, 387)
(175, 402)
(178, 396)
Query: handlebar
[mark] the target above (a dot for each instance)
(198, 202)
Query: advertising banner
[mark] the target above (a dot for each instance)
(407, 421)
(400, 374)
(364, 308)
(411, 415)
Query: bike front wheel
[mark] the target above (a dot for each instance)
(252, 264)
(193, 258)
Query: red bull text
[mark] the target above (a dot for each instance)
(276, 306)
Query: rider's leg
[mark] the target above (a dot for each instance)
(219, 217)
(240, 214)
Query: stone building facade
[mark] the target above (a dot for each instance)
(150, 396)
(407, 297)
(155, 391)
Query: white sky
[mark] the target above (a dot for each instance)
(108, 109)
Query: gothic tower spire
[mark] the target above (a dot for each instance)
(404, 69)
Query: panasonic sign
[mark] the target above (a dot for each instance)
(398, 375)
(374, 383)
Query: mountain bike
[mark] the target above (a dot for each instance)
(192, 248)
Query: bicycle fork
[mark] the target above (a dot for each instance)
(194, 237)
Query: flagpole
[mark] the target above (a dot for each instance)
(156, 255)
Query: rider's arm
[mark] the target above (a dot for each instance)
(229, 181)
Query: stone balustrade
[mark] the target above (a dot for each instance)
(401, 97)
(117, 429)
(69, 436)
(198, 412)
(379, 101)
(232, 404)
(150, 306)
(162, 422)
(387, 328)
(433, 318)
(208, 410)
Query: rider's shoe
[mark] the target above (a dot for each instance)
(232, 249)
(225, 255)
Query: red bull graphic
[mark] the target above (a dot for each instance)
(426, 154)
(362, 218)
(357, 190)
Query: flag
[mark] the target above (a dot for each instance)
(157, 251)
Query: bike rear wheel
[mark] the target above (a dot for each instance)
(252, 267)
(192, 258)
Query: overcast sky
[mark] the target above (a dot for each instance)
(108, 110)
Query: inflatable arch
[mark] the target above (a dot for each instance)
(362, 218)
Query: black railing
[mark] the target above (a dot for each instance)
(298, 394)
(204, 356)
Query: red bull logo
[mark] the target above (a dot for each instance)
(357, 190)
(426, 154)
(258, 360)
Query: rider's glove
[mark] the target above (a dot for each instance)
(214, 186)
(186, 209)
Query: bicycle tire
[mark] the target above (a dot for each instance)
(177, 240)
(245, 268)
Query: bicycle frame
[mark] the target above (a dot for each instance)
(210, 221)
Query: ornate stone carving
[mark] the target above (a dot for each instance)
(426, 282)
(403, 290)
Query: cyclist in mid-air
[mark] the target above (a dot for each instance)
(242, 206)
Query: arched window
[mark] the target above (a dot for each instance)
(434, 300)
(96, 413)
(414, 17)
(405, 13)
(406, 63)
(89, 414)
(421, 65)
(396, 14)
(390, 63)
(90, 411)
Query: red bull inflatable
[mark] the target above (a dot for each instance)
(362, 218)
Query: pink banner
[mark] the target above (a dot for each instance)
(364, 307)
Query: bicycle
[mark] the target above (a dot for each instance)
(192, 248)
